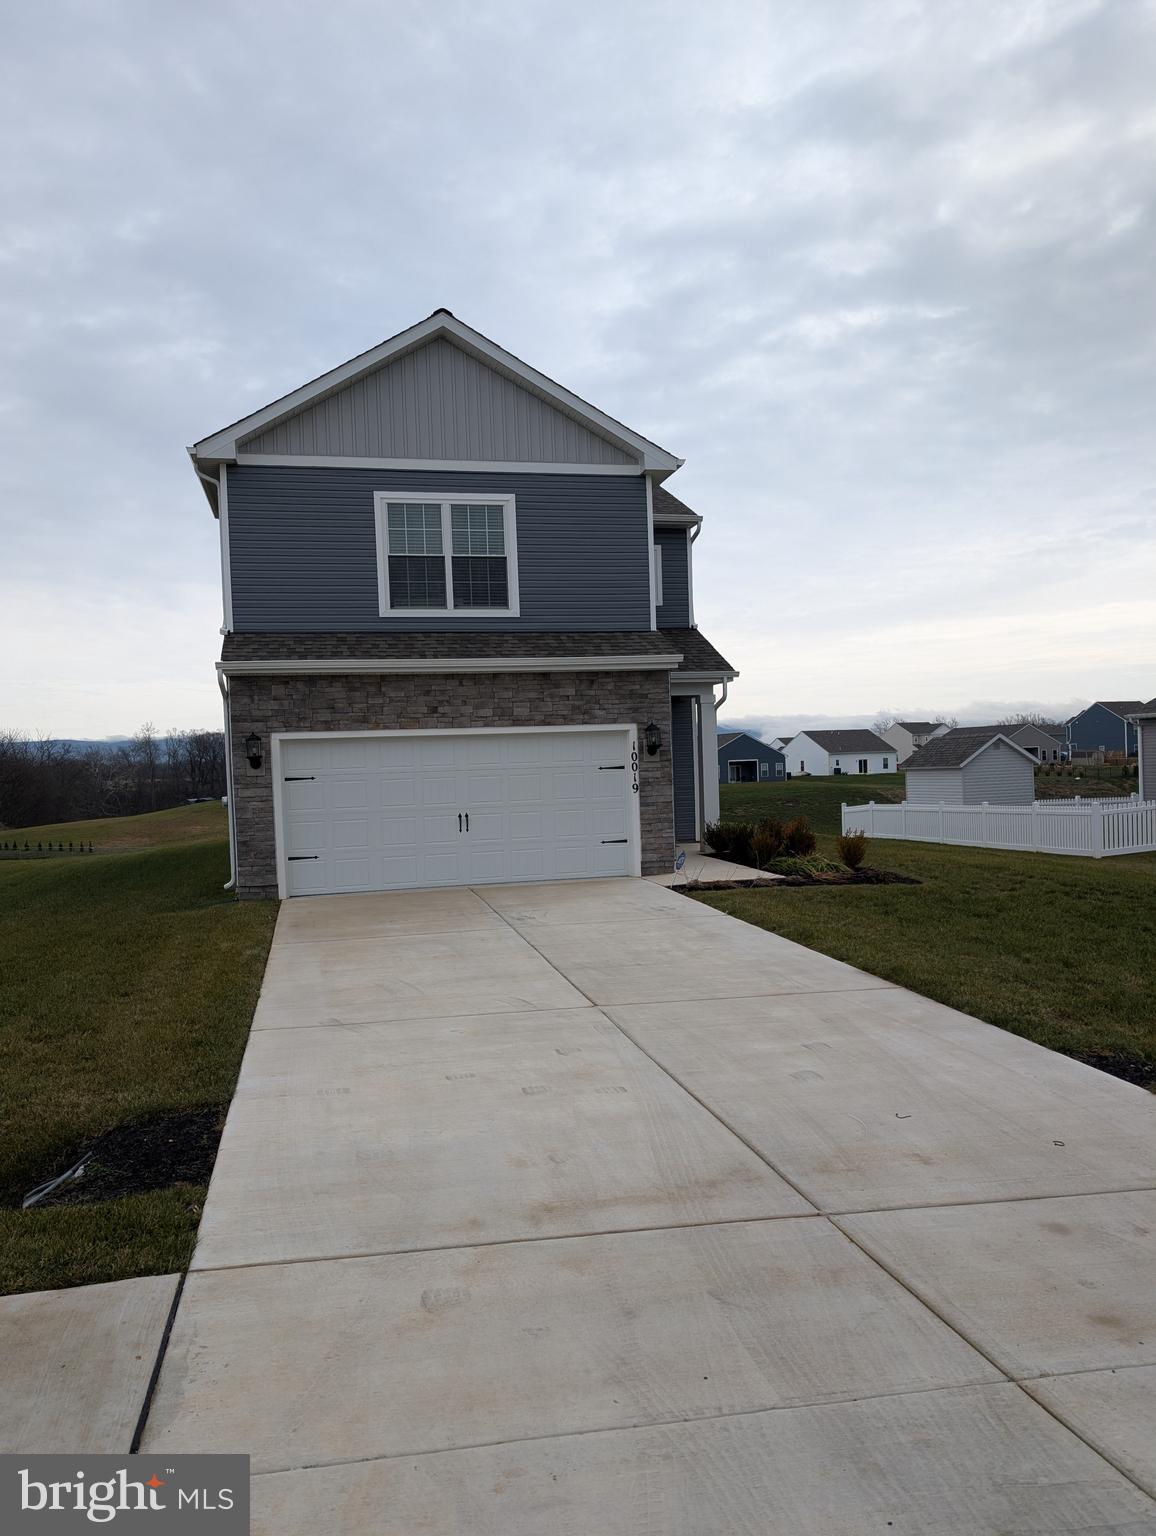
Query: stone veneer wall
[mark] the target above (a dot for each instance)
(439, 701)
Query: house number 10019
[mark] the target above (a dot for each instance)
(634, 764)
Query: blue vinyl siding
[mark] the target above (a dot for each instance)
(303, 556)
(682, 767)
(744, 749)
(1098, 727)
(674, 610)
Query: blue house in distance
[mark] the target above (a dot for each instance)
(1104, 727)
(743, 759)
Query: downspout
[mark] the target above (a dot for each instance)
(231, 883)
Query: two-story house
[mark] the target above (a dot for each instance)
(907, 736)
(459, 638)
(1105, 726)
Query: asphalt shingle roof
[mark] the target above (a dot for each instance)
(665, 502)
(698, 655)
(954, 749)
(1120, 706)
(848, 741)
(917, 727)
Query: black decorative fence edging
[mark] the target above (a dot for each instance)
(13, 848)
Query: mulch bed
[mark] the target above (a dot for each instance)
(834, 877)
(131, 1159)
(1131, 1069)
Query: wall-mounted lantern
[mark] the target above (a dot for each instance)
(652, 739)
(253, 750)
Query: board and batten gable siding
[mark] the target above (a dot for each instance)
(682, 768)
(437, 402)
(303, 552)
(934, 786)
(1148, 759)
(1000, 776)
(674, 610)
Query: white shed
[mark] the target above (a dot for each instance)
(971, 765)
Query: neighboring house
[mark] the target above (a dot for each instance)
(743, 759)
(827, 752)
(459, 630)
(781, 743)
(905, 736)
(969, 765)
(1105, 727)
(1045, 743)
(1145, 721)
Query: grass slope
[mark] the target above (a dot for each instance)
(120, 834)
(127, 990)
(1061, 950)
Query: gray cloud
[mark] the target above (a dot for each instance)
(880, 271)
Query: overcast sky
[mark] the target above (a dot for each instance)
(883, 273)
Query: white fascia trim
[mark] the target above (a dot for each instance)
(677, 520)
(698, 678)
(223, 444)
(651, 663)
(464, 466)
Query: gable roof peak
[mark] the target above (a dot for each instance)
(222, 446)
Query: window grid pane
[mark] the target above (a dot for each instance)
(417, 581)
(415, 528)
(477, 530)
(480, 582)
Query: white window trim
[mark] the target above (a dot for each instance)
(657, 548)
(382, 500)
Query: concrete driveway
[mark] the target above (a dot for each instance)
(586, 1209)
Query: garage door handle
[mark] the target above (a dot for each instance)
(467, 821)
(296, 778)
(295, 858)
(613, 839)
(611, 767)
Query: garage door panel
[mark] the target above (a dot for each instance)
(395, 832)
(308, 835)
(353, 874)
(440, 789)
(349, 834)
(305, 795)
(382, 812)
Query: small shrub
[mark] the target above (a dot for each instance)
(765, 848)
(740, 841)
(798, 839)
(714, 835)
(852, 849)
(772, 834)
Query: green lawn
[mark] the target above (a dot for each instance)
(819, 800)
(126, 991)
(1062, 950)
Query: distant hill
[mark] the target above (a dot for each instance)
(92, 741)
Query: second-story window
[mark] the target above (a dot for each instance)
(444, 555)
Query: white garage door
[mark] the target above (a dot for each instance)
(393, 812)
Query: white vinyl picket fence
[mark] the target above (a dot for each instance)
(1094, 829)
